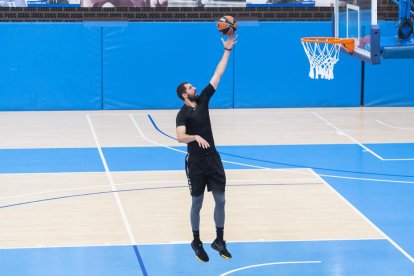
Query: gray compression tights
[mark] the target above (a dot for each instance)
(197, 203)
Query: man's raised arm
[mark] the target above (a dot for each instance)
(221, 67)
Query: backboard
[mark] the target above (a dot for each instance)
(375, 40)
(357, 19)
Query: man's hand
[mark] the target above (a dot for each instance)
(201, 142)
(229, 43)
(182, 137)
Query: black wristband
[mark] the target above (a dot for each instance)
(227, 49)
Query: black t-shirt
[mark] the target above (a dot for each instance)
(197, 121)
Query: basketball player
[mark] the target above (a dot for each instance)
(203, 164)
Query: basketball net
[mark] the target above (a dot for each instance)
(323, 54)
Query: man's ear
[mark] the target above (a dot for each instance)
(185, 96)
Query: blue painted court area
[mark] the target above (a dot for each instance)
(389, 205)
(381, 190)
(365, 257)
(50, 160)
(335, 159)
(100, 260)
(372, 257)
(394, 151)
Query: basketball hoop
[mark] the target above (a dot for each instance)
(323, 54)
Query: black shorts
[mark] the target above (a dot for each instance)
(205, 170)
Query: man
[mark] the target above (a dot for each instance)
(203, 163)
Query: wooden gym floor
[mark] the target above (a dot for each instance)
(310, 192)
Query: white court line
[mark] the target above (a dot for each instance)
(41, 246)
(146, 182)
(181, 151)
(365, 218)
(48, 173)
(260, 167)
(303, 173)
(340, 131)
(119, 114)
(108, 174)
(274, 111)
(347, 177)
(365, 111)
(179, 181)
(171, 148)
(183, 242)
(366, 179)
(268, 264)
(149, 140)
(117, 197)
(321, 179)
(271, 241)
(52, 191)
(228, 180)
(391, 126)
(398, 159)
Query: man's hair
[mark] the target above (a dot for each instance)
(181, 89)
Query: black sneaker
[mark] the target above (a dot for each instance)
(221, 248)
(199, 251)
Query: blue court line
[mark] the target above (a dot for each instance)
(289, 164)
(86, 194)
(139, 189)
(156, 127)
(314, 168)
(140, 261)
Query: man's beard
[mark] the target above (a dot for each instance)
(193, 98)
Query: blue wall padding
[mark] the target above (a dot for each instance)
(389, 83)
(272, 69)
(144, 63)
(265, 74)
(75, 66)
(50, 66)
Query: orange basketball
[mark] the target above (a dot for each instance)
(227, 25)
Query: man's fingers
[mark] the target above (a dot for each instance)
(205, 145)
(202, 143)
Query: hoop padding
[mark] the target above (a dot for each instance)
(323, 54)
